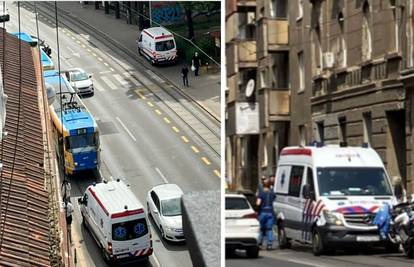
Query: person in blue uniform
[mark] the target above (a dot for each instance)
(266, 215)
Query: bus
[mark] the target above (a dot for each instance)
(72, 120)
(47, 63)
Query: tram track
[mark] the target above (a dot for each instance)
(164, 90)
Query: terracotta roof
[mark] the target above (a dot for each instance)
(26, 235)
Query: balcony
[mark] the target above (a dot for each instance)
(279, 105)
(278, 34)
(248, 3)
(247, 54)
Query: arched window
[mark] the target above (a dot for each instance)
(366, 32)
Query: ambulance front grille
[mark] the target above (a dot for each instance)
(359, 219)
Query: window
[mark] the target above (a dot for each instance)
(367, 124)
(309, 181)
(295, 180)
(302, 135)
(247, 26)
(317, 49)
(409, 31)
(81, 141)
(366, 33)
(321, 131)
(341, 43)
(164, 45)
(236, 203)
(129, 230)
(171, 207)
(342, 129)
(301, 72)
(300, 9)
(280, 70)
(155, 200)
(278, 8)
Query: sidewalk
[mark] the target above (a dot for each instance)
(205, 89)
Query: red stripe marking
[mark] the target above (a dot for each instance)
(149, 34)
(98, 200)
(297, 151)
(373, 208)
(318, 212)
(127, 213)
(163, 36)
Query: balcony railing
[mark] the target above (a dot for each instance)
(278, 32)
(279, 102)
(247, 52)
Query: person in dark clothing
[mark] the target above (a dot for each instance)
(266, 215)
(196, 62)
(184, 74)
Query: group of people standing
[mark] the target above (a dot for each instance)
(195, 66)
(264, 201)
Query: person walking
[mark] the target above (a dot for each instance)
(68, 213)
(399, 190)
(184, 74)
(66, 187)
(266, 215)
(196, 63)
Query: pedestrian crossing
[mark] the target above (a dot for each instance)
(110, 81)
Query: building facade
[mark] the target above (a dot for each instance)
(258, 88)
(352, 77)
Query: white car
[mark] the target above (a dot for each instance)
(80, 81)
(164, 205)
(242, 226)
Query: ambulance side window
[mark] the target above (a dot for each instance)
(295, 180)
(309, 181)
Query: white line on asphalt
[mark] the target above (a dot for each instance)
(126, 129)
(142, 78)
(162, 175)
(132, 79)
(98, 86)
(156, 259)
(109, 83)
(119, 79)
(154, 76)
(104, 72)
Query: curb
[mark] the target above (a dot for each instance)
(133, 55)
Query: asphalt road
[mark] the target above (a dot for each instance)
(143, 142)
(301, 256)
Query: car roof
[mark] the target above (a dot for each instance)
(75, 69)
(167, 191)
(158, 33)
(235, 195)
(113, 196)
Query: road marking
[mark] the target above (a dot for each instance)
(73, 37)
(111, 69)
(104, 72)
(106, 64)
(162, 175)
(126, 129)
(175, 129)
(84, 46)
(195, 149)
(158, 111)
(139, 92)
(63, 30)
(142, 78)
(184, 139)
(98, 86)
(78, 42)
(93, 54)
(150, 104)
(157, 263)
(154, 76)
(216, 172)
(205, 160)
(100, 59)
(167, 120)
(87, 49)
(119, 79)
(132, 79)
(73, 52)
(109, 83)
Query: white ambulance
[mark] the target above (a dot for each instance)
(157, 45)
(117, 221)
(328, 196)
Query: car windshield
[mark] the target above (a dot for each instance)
(349, 181)
(236, 203)
(164, 45)
(129, 230)
(78, 76)
(82, 140)
(171, 207)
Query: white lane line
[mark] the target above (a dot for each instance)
(104, 72)
(126, 129)
(109, 83)
(132, 79)
(154, 76)
(157, 263)
(119, 79)
(98, 86)
(162, 175)
(143, 79)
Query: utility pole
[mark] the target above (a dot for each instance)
(150, 13)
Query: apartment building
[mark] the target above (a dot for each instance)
(258, 88)
(352, 77)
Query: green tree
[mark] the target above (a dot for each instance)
(201, 7)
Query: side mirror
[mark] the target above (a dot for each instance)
(306, 191)
(80, 201)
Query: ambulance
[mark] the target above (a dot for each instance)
(328, 196)
(157, 45)
(117, 220)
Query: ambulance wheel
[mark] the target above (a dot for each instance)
(84, 222)
(281, 237)
(105, 255)
(317, 244)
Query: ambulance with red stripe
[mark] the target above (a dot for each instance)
(117, 220)
(157, 45)
(327, 196)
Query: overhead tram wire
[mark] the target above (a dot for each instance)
(3, 67)
(17, 132)
(179, 35)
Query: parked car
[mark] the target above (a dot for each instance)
(164, 205)
(328, 196)
(242, 227)
(117, 221)
(80, 81)
(157, 45)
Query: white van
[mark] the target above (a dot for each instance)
(117, 221)
(328, 196)
(157, 45)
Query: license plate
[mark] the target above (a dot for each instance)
(367, 238)
(122, 256)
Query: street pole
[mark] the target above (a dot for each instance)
(150, 13)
